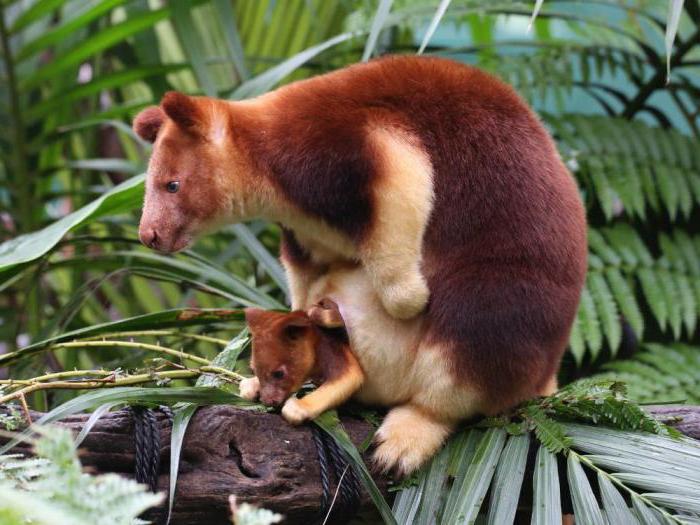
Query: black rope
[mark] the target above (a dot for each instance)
(332, 458)
(147, 444)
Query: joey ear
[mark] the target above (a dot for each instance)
(182, 109)
(148, 122)
(254, 316)
(296, 325)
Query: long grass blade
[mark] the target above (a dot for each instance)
(179, 317)
(123, 198)
(267, 80)
(546, 500)
(181, 419)
(675, 8)
(182, 413)
(472, 483)
(535, 12)
(508, 480)
(188, 35)
(92, 420)
(616, 510)
(434, 23)
(262, 255)
(380, 17)
(586, 507)
(233, 40)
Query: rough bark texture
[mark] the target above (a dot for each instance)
(258, 457)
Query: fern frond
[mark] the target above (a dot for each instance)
(632, 163)
(659, 374)
(623, 273)
(62, 493)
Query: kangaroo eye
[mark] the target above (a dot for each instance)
(172, 186)
(278, 374)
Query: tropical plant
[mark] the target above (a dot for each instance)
(82, 299)
(52, 489)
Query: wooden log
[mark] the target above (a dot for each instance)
(258, 457)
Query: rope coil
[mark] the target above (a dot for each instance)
(332, 458)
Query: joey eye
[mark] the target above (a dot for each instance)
(278, 374)
(172, 186)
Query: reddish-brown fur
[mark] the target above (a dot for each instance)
(504, 253)
(505, 248)
(292, 344)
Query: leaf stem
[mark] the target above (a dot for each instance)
(131, 344)
(82, 385)
(164, 333)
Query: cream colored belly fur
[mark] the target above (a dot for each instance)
(401, 371)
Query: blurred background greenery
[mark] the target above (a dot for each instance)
(75, 72)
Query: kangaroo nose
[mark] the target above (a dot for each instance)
(150, 238)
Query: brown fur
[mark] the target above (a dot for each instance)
(296, 347)
(503, 249)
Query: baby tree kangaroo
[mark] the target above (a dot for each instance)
(292, 348)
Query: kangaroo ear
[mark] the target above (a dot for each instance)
(183, 110)
(148, 122)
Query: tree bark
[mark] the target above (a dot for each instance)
(258, 457)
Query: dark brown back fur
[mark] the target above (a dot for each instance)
(505, 248)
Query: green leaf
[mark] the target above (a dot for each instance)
(187, 32)
(616, 510)
(624, 296)
(380, 17)
(508, 480)
(645, 515)
(675, 8)
(330, 423)
(233, 42)
(262, 255)
(179, 317)
(123, 198)
(439, 13)
(586, 507)
(546, 499)
(66, 28)
(654, 294)
(473, 479)
(101, 40)
(606, 309)
(37, 11)
(136, 395)
(267, 80)
(590, 325)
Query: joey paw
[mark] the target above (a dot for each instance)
(295, 412)
(249, 388)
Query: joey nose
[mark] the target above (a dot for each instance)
(149, 237)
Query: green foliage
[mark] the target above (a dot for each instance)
(97, 308)
(622, 272)
(631, 163)
(659, 374)
(53, 489)
(629, 451)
